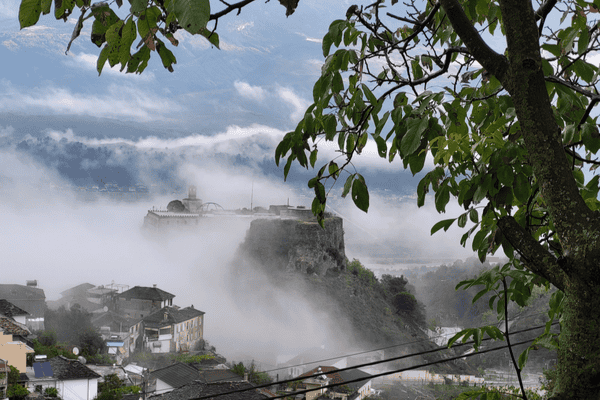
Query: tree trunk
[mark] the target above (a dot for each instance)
(579, 345)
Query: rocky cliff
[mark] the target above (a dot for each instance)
(297, 245)
(308, 264)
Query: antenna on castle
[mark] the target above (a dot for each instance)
(252, 198)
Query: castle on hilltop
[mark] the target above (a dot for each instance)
(191, 210)
(178, 213)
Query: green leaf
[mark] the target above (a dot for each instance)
(523, 358)
(584, 40)
(348, 185)
(320, 192)
(313, 157)
(138, 62)
(166, 56)
(474, 216)
(327, 42)
(360, 194)
(442, 224)
(330, 125)
(521, 188)
(505, 175)
(370, 96)
(442, 196)
(137, 6)
(192, 14)
(46, 4)
(63, 8)
(381, 146)
(29, 12)
(104, 18)
(102, 59)
(411, 141)
(128, 36)
(211, 36)
(462, 220)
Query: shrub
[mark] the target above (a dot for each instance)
(51, 392)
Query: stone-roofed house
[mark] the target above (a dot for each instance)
(172, 329)
(199, 389)
(172, 377)
(219, 375)
(72, 379)
(10, 310)
(330, 375)
(141, 301)
(28, 298)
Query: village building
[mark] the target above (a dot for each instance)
(198, 389)
(141, 301)
(8, 309)
(354, 383)
(14, 352)
(29, 298)
(173, 329)
(165, 380)
(72, 379)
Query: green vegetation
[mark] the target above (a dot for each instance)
(16, 392)
(254, 375)
(113, 388)
(363, 273)
(73, 328)
(51, 392)
(394, 290)
(191, 358)
(51, 350)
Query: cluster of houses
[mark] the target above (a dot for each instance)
(131, 320)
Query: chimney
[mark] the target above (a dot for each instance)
(154, 285)
(32, 283)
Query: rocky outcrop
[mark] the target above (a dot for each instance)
(297, 245)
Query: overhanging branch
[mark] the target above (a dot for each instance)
(493, 62)
(230, 8)
(535, 257)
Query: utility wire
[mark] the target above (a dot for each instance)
(385, 361)
(383, 373)
(391, 347)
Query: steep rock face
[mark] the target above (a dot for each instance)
(297, 245)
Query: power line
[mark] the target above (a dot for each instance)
(390, 347)
(385, 373)
(386, 361)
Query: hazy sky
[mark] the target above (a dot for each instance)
(213, 123)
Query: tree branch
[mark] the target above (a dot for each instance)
(230, 8)
(545, 9)
(493, 62)
(536, 258)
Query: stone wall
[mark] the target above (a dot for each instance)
(288, 244)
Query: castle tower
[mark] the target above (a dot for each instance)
(192, 203)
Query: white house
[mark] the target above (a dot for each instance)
(72, 379)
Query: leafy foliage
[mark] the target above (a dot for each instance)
(113, 388)
(254, 375)
(364, 274)
(192, 358)
(73, 327)
(51, 392)
(16, 392)
(150, 20)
